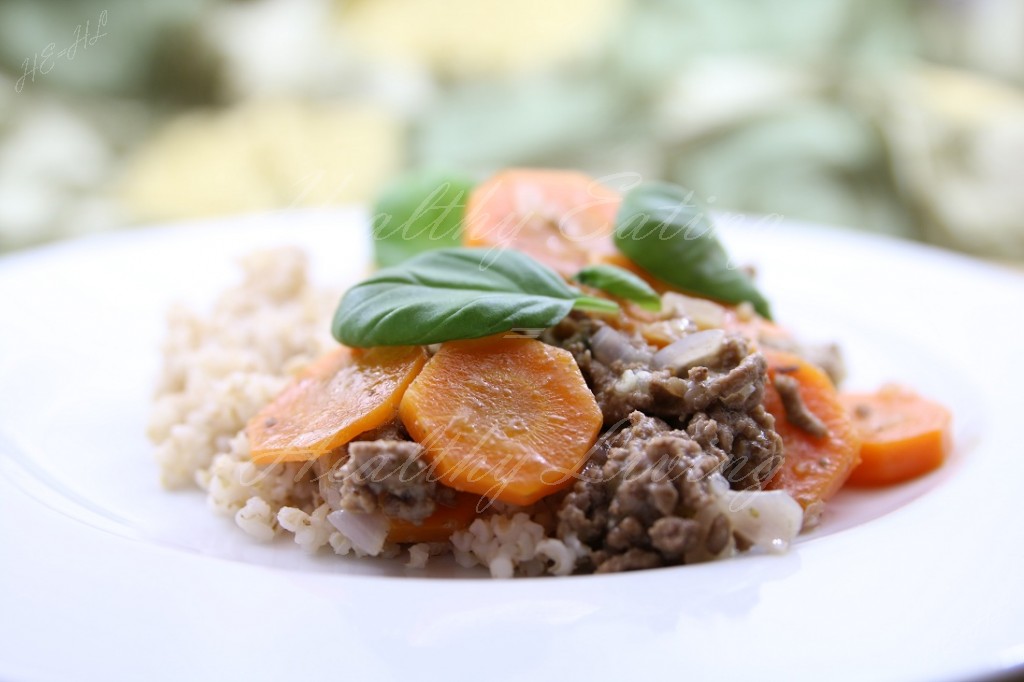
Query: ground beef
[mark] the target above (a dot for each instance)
(796, 410)
(632, 560)
(637, 509)
(718, 404)
(748, 439)
(644, 498)
(383, 471)
(734, 377)
(673, 537)
(387, 476)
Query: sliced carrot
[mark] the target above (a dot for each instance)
(341, 395)
(562, 218)
(814, 468)
(440, 525)
(903, 435)
(508, 418)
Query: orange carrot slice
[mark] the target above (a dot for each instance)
(508, 418)
(903, 435)
(562, 218)
(815, 467)
(341, 395)
(440, 525)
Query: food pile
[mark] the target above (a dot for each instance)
(544, 376)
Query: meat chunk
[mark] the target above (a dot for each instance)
(381, 471)
(388, 476)
(673, 536)
(640, 508)
(747, 439)
(631, 560)
(733, 376)
(644, 498)
(796, 410)
(718, 403)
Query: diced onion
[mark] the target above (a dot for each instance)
(609, 345)
(699, 348)
(366, 532)
(704, 313)
(330, 491)
(769, 519)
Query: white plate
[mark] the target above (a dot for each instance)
(104, 576)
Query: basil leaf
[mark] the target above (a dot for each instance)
(419, 212)
(660, 230)
(456, 294)
(620, 282)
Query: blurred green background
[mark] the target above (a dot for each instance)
(898, 116)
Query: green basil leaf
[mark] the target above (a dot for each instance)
(620, 282)
(456, 294)
(661, 230)
(419, 212)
